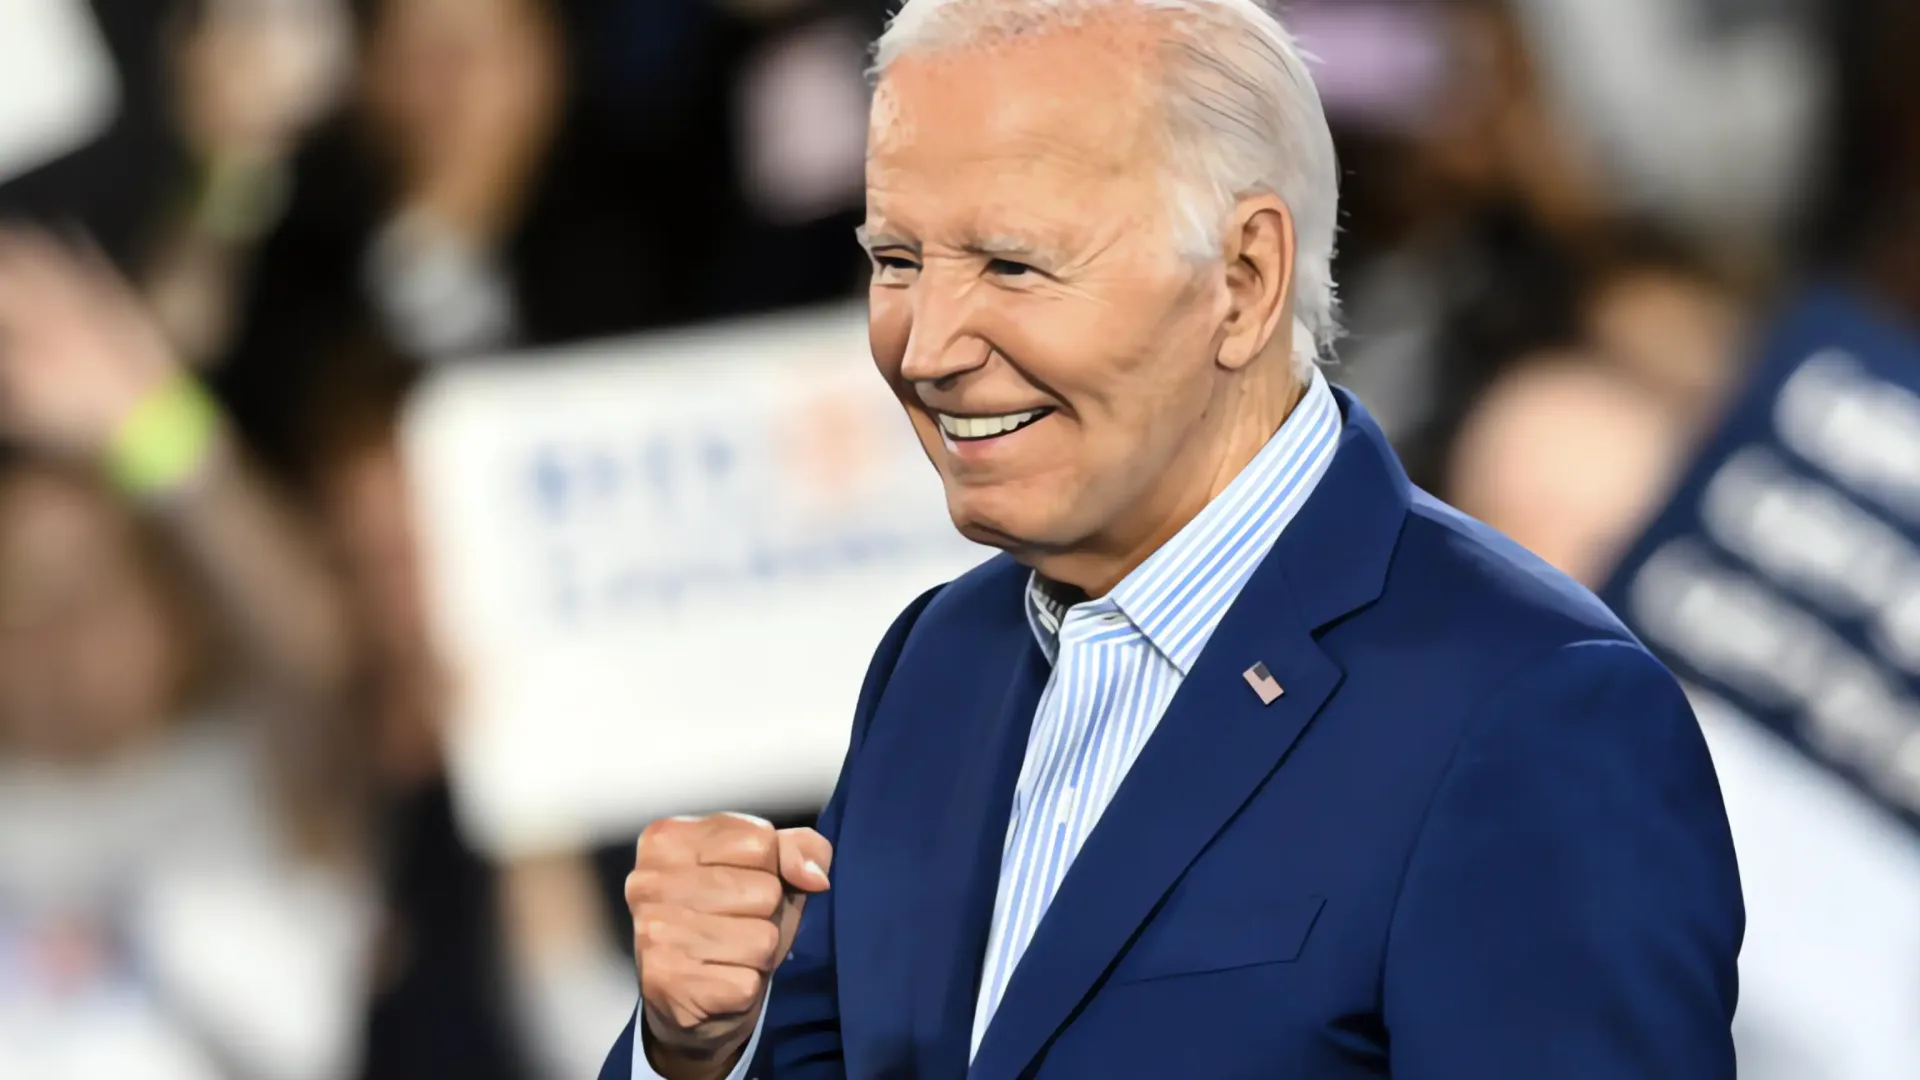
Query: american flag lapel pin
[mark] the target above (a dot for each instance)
(1263, 683)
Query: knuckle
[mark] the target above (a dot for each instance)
(650, 931)
(658, 982)
(807, 844)
(651, 886)
(647, 845)
(686, 1016)
(763, 943)
(760, 894)
(738, 989)
(747, 837)
(761, 842)
(655, 836)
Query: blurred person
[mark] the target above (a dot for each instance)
(1659, 346)
(1485, 233)
(180, 889)
(249, 78)
(1473, 229)
(213, 95)
(765, 102)
(486, 971)
(464, 97)
(440, 999)
(513, 174)
(1569, 457)
(1245, 758)
(1570, 450)
(1674, 329)
(1706, 116)
(465, 205)
(797, 125)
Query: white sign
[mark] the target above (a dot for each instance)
(58, 89)
(660, 567)
(1830, 971)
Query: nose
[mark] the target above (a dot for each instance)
(943, 343)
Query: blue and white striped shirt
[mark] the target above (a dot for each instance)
(1117, 662)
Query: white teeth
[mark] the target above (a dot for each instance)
(983, 427)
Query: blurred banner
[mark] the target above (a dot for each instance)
(58, 89)
(659, 569)
(1783, 582)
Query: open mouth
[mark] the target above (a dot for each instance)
(978, 428)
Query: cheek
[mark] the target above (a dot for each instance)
(1115, 352)
(1126, 389)
(889, 324)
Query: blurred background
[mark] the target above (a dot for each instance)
(242, 242)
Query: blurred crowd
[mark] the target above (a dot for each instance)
(227, 845)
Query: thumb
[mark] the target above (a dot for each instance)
(805, 858)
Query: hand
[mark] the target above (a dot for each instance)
(249, 79)
(78, 349)
(716, 902)
(470, 127)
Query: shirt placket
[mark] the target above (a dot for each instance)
(1050, 806)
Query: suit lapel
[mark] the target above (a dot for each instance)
(1217, 745)
(1213, 749)
(957, 908)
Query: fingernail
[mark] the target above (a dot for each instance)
(748, 818)
(684, 817)
(814, 868)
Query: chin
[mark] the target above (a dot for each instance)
(1004, 520)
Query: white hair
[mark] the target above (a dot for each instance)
(1243, 114)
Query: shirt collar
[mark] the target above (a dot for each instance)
(1178, 596)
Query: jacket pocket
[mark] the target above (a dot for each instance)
(1212, 937)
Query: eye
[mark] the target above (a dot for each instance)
(1008, 268)
(894, 262)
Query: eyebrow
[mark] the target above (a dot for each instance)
(1002, 246)
(875, 241)
(989, 246)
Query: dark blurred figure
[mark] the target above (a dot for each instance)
(181, 890)
(488, 971)
(215, 95)
(89, 186)
(490, 190)
(1570, 449)
(1575, 448)
(1872, 226)
(248, 81)
(510, 174)
(1481, 234)
(408, 210)
(440, 1001)
(1469, 232)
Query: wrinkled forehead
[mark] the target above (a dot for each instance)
(1081, 89)
(1067, 115)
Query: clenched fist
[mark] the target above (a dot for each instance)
(715, 903)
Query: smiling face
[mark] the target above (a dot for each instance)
(1062, 362)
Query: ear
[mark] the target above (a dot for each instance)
(1259, 272)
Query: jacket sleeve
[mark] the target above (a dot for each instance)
(1572, 907)
(799, 1034)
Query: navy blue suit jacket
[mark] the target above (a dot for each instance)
(1478, 838)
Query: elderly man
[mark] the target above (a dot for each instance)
(1246, 759)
